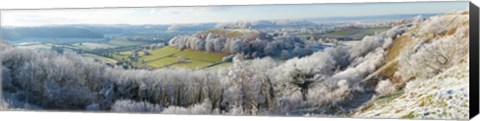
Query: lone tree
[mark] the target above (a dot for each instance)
(302, 80)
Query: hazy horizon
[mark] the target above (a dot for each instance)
(214, 14)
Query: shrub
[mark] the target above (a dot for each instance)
(3, 105)
(133, 106)
(385, 87)
(203, 108)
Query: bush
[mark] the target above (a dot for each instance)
(133, 106)
(228, 58)
(203, 108)
(385, 87)
(93, 107)
(3, 105)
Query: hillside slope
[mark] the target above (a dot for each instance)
(431, 70)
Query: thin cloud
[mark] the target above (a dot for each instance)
(204, 14)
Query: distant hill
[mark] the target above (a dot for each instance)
(266, 24)
(14, 34)
(367, 18)
(96, 30)
(101, 31)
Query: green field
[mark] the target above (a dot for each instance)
(159, 53)
(120, 56)
(194, 64)
(103, 59)
(122, 42)
(169, 56)
(201, 55)
(37, 46)
(162, 62)
(90, 46)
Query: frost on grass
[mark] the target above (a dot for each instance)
(444, 96)
(430, 55)
(134, 106)
(436, 70)
(203, 108)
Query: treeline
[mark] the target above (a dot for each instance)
(266, 24)
(251, 44)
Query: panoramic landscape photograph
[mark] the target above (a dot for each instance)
(362, 60)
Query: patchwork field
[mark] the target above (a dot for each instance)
(90, 46)
(100, 58)
(36, 46)
(170, 57)
(121, 42)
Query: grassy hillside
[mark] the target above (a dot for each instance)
(170, 56)
(160, 53)
(429, 66)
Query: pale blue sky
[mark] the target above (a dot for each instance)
(180, 15)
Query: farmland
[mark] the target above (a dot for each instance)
(90, 46)
(99, 58)
(124, 42)
(170, 57)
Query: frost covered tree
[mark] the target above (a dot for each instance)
(438, 50)
(285, 54)
(429, 59)
(250, 43)
(270, 49)
(248, 86)
(299, 74)
(218, 44)
(69, 82)
(209, 45)
(299, 51)
(236, 46)
(303, 81)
